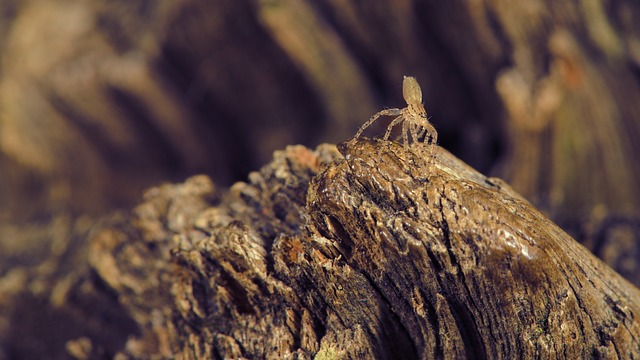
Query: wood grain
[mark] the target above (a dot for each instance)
(365, 254)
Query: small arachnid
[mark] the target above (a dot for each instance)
(416, 124)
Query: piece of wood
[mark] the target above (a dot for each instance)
(126, 95)
(129, 93)
(368, 255)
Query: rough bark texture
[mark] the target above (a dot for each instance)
(375, 254)
(100, 99)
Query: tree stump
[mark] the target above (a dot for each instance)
(372, 252)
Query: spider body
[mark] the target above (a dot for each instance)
(415, 123)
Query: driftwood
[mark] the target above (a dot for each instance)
(99, 100)
(125, 95)
(377, 253)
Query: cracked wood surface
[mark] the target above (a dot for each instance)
(469, 267)
(358, 255)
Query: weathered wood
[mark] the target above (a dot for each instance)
(367, 255)
(97, 100)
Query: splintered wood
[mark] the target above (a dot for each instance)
(325, 254)
(415, 123)
(469, 267)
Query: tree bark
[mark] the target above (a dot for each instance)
(370, 252)
(100, 99)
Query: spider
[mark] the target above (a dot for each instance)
(416, 124)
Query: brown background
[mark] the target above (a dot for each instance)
(100, 99)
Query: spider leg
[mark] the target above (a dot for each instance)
(393, 123)
(420, 131)
(386, 112)
(405, 134)
(430, 139)
(431, 135)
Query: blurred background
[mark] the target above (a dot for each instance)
(102, 99)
